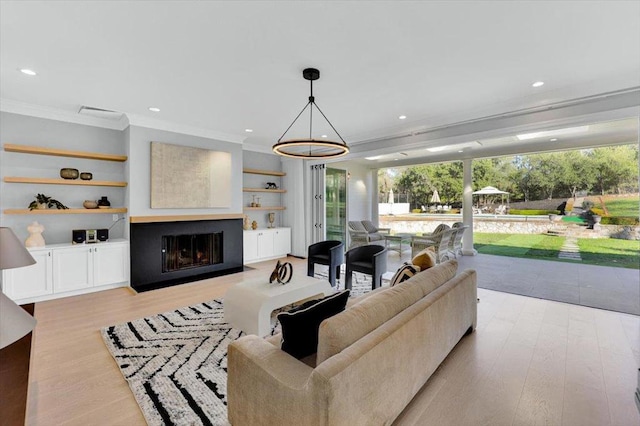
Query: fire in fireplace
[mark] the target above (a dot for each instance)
(191, 251)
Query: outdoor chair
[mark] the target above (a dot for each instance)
(455, 246)
(372, 229)
(360, 236)
(369, 259)
(330, 253)
(419, 243)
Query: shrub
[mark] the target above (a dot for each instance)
(533, 212)
(620, 220)
(416, 211)
(599, 212)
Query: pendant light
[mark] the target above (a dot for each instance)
(309, 148)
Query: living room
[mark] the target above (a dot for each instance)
(112, 79)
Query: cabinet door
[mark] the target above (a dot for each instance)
(110, 264)
(250, 246)
(265, 243)
(282, 241)
(72, 268)
(30, 281)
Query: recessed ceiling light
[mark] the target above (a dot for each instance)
(376, 157)
(553, 140)
(27, 71)
(538, 84)
(460, 150)
(558, 132)
(324, 136)
(248, 130)
(402, 117)
(395, 159)
(154, 109)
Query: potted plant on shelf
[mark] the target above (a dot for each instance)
(43, 202)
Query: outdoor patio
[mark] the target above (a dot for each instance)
(615, 289)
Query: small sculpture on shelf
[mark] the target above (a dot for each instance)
(68, 173)
(253, 201)
(254, 225)
(35, 238)
(44, 202)
(271, 185)
(246, 225)
(86, 175)
(104, 203)
(282, 273)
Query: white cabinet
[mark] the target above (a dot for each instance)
(64, 270)
(30, 281)
(266, 244)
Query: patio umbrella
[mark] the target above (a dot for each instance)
(435, 198)
(391, 196)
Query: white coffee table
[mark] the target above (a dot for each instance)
(248, 304)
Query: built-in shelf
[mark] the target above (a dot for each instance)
(67, 211)
(281, 191)
(265, 208)
(263, 172)
(63, 153)
(54, 181)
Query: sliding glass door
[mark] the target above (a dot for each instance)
(336, 204)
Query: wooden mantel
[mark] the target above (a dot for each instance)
(184, 218)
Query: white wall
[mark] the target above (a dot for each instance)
(139, 147)
(361, 190)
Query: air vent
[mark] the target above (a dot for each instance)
(105, 114)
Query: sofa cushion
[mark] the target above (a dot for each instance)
(433, 278)
(425, 259)
(300, 326)
(344, 329)
(406, 271)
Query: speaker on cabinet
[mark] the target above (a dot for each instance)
(78, 236)
(103, 234)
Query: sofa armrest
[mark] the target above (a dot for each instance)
(385, 231)
(265, 384)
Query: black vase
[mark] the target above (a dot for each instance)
(103, 202)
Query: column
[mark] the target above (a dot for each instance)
(467, 208)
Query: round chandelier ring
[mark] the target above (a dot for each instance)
(307, 148)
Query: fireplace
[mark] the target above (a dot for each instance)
(191, 251)
(170, 253)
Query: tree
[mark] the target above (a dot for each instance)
(614, 166)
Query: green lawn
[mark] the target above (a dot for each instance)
(518, 245)
(622, 207)
(610, 252)
(597, 251)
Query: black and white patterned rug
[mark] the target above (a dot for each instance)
(176, 362)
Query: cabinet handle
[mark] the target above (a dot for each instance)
(49, 254)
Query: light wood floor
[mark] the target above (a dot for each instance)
(530, 361)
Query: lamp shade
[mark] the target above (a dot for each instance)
(15, 322)
(13, 254)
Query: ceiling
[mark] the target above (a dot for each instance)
(229, 66)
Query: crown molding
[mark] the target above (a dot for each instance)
(40, 111)
(141, 121)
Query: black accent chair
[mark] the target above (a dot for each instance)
(330, 253)
(369, 259)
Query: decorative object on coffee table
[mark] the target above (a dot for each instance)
(86, 176)
(103, 203)
(282, 273)
(68, 173)
(35, 238)
(90, 204)
(43, 202)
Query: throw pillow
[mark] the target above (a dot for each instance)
(425, 259)
(300, 328)
(406, 271)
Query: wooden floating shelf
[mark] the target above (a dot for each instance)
(67, 211)
(281, 191)
(266, 208)
(263, 172)
(25, 149)
(49, 181)
(183, 218)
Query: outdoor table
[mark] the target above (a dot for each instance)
(394, 241)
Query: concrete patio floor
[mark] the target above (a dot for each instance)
(615, 289)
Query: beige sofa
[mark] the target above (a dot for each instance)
(372, 358)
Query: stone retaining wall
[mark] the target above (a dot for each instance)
(505, 225)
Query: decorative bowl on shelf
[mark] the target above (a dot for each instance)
(90, 204)
(86, 176)
(67, 173)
